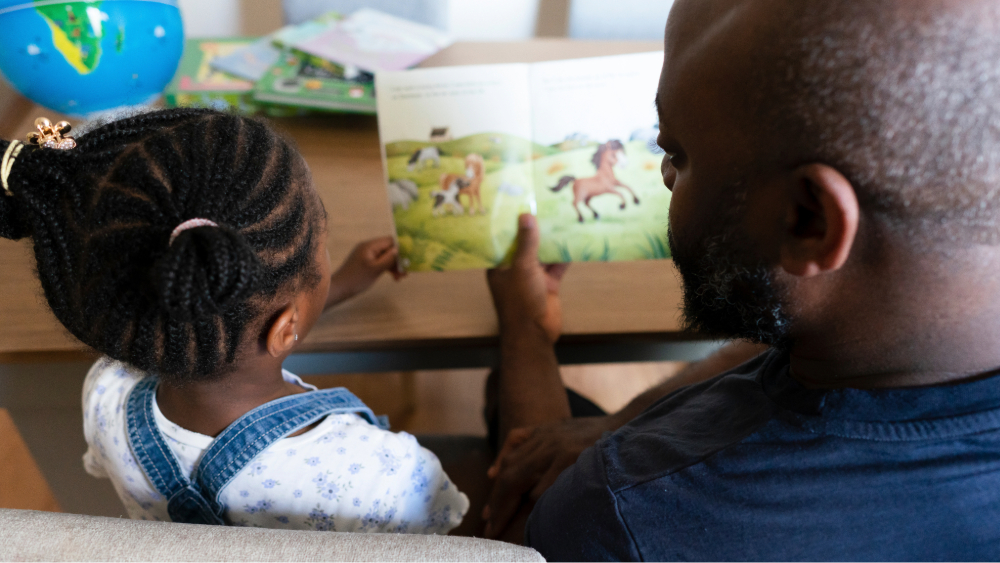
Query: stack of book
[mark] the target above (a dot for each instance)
(326, 64)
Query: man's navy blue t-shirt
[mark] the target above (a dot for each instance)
(752, 466)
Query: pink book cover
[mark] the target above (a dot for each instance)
(374, 41)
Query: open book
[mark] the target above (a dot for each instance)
(468, 148)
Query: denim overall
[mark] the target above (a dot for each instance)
(196, 500)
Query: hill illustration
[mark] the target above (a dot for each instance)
(498, 147)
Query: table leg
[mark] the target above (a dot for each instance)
(44, 402)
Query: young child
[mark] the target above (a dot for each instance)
(189, 247)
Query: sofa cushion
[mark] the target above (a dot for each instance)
(30, 536)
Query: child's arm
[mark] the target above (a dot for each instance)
(360, 270)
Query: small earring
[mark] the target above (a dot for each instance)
(296, 337)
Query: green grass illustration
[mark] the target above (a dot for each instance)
(656, 247)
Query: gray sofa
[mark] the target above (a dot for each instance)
(27, 535)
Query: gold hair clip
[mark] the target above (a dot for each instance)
(52, 136)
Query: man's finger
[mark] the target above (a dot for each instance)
(527, 241)
(508, 490)
(515, 438)
(518, 475)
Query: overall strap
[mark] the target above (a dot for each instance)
(255, 431)
(196, 500)
(185, 503)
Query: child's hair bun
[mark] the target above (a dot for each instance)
(205, 272)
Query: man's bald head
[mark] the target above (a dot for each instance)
(817, 145)
(901, 96)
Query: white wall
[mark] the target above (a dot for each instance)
(625, 19)
(493, 20)
(211, 18)
(469, 20)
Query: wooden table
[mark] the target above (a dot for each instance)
(613, 312)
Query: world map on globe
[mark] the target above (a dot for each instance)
(88, 56)
(75, 35)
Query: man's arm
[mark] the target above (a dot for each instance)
(526, 296)
(533, 457)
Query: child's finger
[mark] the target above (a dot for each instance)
(381, 244)
(386, 259)
(380, 249)
(556, 271)
(397, 271)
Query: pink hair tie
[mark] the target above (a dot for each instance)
(190, 224)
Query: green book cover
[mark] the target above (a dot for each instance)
(197, 84)
(305, 81)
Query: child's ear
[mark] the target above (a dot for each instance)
(283, 332)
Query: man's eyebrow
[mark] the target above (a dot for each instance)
(656, 104)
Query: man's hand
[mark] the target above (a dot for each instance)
(527, 291)
(362, 267)
(532, 458)
(530, 461)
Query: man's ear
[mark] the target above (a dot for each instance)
(283, 332)
(821, 221)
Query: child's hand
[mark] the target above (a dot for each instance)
(360, 270)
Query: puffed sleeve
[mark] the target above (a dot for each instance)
(436, 505)
(402, 487)
(91, 414)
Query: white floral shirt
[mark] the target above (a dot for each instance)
(344, 475)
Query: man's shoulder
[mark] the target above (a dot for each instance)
(578, 518)
(586, 514)
(689, 425)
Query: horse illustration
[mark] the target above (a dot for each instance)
(402, 193)
(605, 159)
(451, 185)
(422, 155)
(474, 172)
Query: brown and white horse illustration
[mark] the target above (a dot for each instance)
(447, 196)
(474, 172)
(605, 159)
(467, 185)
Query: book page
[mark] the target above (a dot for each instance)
(374, 41)
(457, 149)
(599, 191)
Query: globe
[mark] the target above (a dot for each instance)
(80, 58)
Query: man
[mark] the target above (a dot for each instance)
(835, 167)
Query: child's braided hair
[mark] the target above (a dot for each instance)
(101, 215)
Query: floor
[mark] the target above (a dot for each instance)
(22, 486)
(426, 402)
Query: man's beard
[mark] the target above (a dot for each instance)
(727, 292)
